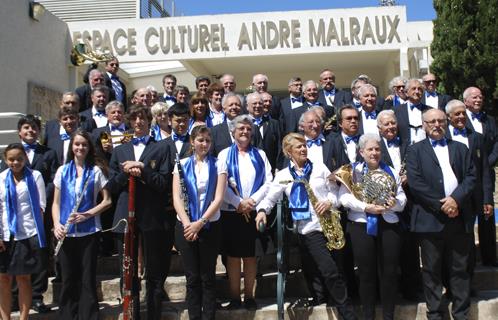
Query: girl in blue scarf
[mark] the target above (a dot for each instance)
(198, 232)
(79, 178)
(22, 192)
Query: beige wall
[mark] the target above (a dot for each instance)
(33, 53)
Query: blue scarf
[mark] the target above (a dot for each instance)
(207, 120)
(190, 179)
(34, 202)
(298, 201)
(372, 219)
(233, 167)
(68, 196)
(156, 132)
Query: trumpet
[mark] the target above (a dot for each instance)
(106, 137)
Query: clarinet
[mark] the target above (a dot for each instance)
(184, 194)
(67, 226)
(129, 271)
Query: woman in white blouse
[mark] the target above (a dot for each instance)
(79, 178)
(375, 233)
(198, 232)
(249, 175)
(318, 263)
(22, 194)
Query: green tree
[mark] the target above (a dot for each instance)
(465, 46)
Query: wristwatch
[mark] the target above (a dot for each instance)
(204, 220)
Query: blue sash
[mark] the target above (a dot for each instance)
(190, 179)
(208, 120)
(298, 201)
(372, 219)
(34, 201)
(156, 132)
(257, 162)
(68, 196)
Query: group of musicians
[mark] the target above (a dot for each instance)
(205, 186)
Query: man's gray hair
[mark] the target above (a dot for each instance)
(364, 88)
(397, 79)
(309, 83)
(385, 113)
(94, 72)
(410, 81)
(310, 111)
(253, 95)
(294, 79)
(452, 105)
(366, 138)
(112, 104)
(228, 95)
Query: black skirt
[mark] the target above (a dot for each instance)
(22, 257)
(239, 236)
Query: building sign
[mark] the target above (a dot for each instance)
(237, 35)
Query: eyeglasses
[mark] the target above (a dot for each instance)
(114, 64)
(430, 81)
(398, 87)
(351, 118)
(434, 121)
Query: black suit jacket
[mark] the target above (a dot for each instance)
(442, 100)
(401, 113)
(150, 189)
(108, 83)
(425, 180)
(339, 99)
(221, 138)
(84, 93)
(86, 120)
(483, 191)
(98, 144)
(286, 118)
(271, 143)
(293, 121)
(339, 152)
(490, 133)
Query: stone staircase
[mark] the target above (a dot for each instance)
(484, 304)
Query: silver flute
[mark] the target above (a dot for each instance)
(68, 225)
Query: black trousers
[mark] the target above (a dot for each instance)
(319, 266)
(157, 246)
(487, 239)
(199, 263)
(377, 257)
(446, 252)
(78, 260)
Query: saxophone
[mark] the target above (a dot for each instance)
(329, 221)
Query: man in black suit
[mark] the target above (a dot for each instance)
(293, 101)
(143, 159)
(95, 117)
(345, 142)
(260, 85)
(95, 78)
(57, 138)
(398, 94)
(481, 122)
(169, 84)
(221, 135)
(266, 131)
(441, 178)
(367, 95)
(69, 99)
(409, 114)
(329, 94)
(42, 159)
(431, 97)
(482, 197)
(112, 81)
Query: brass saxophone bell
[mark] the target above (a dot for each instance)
(82, 52)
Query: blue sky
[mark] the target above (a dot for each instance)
(416, 9)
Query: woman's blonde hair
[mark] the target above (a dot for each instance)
(289, 141)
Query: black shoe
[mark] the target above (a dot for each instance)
(40, 307)
(234, 305)
(250, 304)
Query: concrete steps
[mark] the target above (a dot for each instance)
(484, 307)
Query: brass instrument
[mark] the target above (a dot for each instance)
(83, 51)
(106, 137)
(332, 121)
(329, 221)
(377, 186)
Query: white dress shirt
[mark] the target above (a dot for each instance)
(100, 120)
(26, 227)
(202, 179)
(459, 137)
(350, 148)
(432, 101)
(356, 207)
(395, 154)
(369, 125)
(315, 153)
(65, 144)
(247, 174)
(139, 149)
(449, 179)
(296, 104)
(217, 117)
(321, 186)
(417, 133)
(476, 123)
(99, 183)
